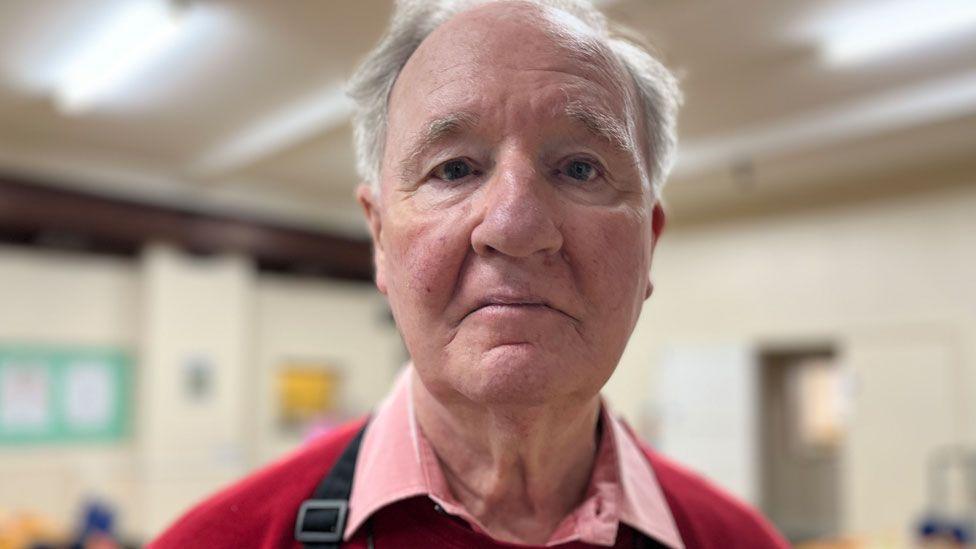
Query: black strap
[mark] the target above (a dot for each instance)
(322, 518)
(641, 541)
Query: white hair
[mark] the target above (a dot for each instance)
(414, 20)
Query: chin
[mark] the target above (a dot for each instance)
(517, 374)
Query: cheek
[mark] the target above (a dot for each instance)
(615, 256)
(424, 258)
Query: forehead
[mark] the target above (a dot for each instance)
(506, 51)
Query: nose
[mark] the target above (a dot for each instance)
(519, 213)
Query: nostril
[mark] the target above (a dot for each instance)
(482, 247)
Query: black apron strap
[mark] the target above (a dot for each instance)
(322, 518)
(641, 541)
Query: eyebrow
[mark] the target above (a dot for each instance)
(436, 131)
(602, 125)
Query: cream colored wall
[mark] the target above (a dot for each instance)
(192, 310)
(166, 308)
(890, 282)
(346, 325)
(73, 299)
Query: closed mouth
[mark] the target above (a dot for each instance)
(516, 303)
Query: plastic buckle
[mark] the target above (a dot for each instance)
(316, 535)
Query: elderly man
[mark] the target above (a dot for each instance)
(513, 154)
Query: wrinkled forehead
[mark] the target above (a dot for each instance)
(478, 47)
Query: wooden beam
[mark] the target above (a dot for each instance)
(33, 213)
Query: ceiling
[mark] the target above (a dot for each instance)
(245, 111)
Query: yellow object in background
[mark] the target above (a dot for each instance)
(878, 540)
(21, 530)
(307, 392)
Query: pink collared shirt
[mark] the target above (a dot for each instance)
(397, 462)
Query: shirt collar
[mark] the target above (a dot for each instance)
(396, 462)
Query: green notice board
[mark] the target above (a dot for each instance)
(63, 394)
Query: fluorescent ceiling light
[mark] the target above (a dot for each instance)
(892, 110)
(294, 124)
(128, 41)
(876, 29)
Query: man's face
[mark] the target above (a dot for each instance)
(513, 230)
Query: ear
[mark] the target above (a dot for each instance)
(657, 227)
(657, 222)
(369, 201)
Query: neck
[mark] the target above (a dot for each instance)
(518, 471)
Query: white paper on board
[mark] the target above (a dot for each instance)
(89, 398)
(25, 397)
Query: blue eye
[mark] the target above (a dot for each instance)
(452, 170)
(580, 170)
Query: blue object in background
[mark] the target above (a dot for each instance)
(97, 518)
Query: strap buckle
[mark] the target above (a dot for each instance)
(321, 520)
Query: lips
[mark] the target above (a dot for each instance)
(515, 301)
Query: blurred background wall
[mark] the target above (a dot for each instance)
(177, 224)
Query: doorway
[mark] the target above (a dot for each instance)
(801, 433)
